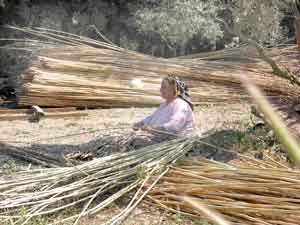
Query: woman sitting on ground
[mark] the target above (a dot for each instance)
(175, 116)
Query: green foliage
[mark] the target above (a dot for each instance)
(257, 138)
(258, 20)
(178, 21)
(38, 220)
(92, 130)
(10, 167)
(201, 222)
(128, 44)
(253, 139)
(141, 172)
(179, 219)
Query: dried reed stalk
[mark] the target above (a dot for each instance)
(243, 194)
(92, 186)
(78, 71)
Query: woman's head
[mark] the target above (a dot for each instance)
(168, 89)
(172, 87)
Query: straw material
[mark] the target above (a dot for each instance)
(244, 193)
(91, 186)
(78, 71)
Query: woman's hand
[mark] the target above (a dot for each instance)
(138, 125)
(146, 128)
(151, 128)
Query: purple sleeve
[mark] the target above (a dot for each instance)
(178, 119)
(147, 120)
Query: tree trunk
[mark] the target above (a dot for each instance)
(297, 31)
(297, 23)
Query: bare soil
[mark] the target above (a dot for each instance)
(113, 121)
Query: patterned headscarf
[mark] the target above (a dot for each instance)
(180, 88)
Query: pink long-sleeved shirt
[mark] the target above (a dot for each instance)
(175, 117)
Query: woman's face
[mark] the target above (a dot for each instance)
(166, 91)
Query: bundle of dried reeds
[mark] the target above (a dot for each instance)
(245, 194)
(92, 186)
(79, 71)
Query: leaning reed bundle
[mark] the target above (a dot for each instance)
(92, 186)
(243, 194)
(79, 71)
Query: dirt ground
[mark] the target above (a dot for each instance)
(113, 121)
(54, 135)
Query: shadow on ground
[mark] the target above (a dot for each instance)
(221, 146)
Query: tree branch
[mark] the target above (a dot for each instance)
(276, 69)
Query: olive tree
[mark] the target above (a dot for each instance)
(178, 21)
(256, 22)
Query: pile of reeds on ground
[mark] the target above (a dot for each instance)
(259, 192)
(90, 187)
(78, 71)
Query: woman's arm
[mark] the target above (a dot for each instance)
(175, 124)
(142, 123)
(177, 120)
(147, 121)
(138, 125)
(178, 116)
